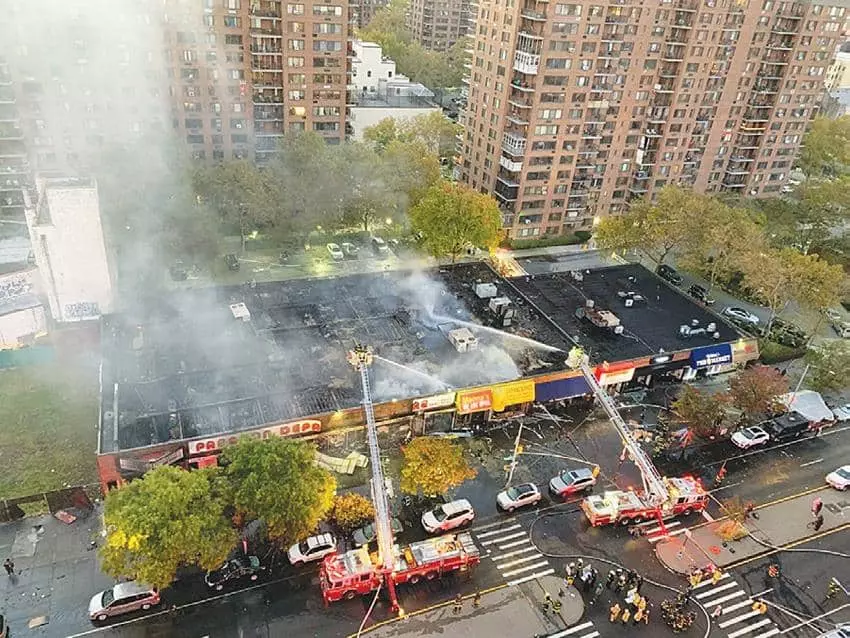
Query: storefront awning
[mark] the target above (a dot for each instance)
(718, 355)
(561, 389)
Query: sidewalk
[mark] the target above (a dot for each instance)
(56, 574)
(778, 524)
(507, 611)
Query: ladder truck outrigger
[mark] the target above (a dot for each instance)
(661, 497)
(358, 572)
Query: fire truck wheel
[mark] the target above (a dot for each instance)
(625, 521)
(350, 594)
(430, 575)
(687, 512)
(415, 579)
(637, 520)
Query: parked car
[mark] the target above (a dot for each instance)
(335, 252)
(840, 631)
(840, 478)
(750, 437)
(232, 261)
(178, 271)
(669, 273)
(517, 496)
(4, 629)
(448, 516)
(368, 533)
(380, 248)
(122, 599)
(571, 482)
(740, 314)
(700, 293)
(842, 329)
(350, 250)
(312, 548)
(832, 315)
(234, 569)
(842, 412)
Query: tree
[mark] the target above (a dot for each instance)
(277, 481)
(699, 411)
(827, 366)
(755, 391)
(735, 511)
(165, 520)
(381, 134)
(351, 510)
(433, 130)
(656, 229)
(826, 147)
(433, 466)
(452, 216)
(411, 171)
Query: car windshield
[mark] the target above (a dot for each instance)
(751, 433)
(108, 598)
(843, 472)
(440, 514)
(369, 531)
(568, 477)
(512, 493)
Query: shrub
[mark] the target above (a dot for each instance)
(772, 352)
(560, 240)
(351, 510)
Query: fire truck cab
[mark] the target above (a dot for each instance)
(686, 495)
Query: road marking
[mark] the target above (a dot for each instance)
(660, 537)
(767, 634)
(709, 581)
(737, 619)
(811, 463)
(801, 541)
(718, 601)
(525, 579)
(516, 552)
(514, 572)
(750, 628)
(658, 529)
(501, 521)
(498, 531)
(725, 487)
(713, 591)
(572, 630)
(515, 543)
(518, 561)
(707, 516)
(743, 603)
(491, 541)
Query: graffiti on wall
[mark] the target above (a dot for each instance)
(11, 287)
(82, 310)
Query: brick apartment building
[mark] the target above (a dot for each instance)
(574, 109)
(438, 24)
(361, 12)
(228, 77)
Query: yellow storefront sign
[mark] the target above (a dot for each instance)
(512, 393)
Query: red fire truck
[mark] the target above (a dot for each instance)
(355, 573)
(684, 495)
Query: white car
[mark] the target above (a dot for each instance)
(312, 549)
(336, 252)
(840, 478)
(448, 516)
(750, 437)
(741, 315)
(842, 412)
(518, 496)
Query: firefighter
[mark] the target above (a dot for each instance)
(773, 570)
(638, 616)
(547, 603)
(832, 589)
(612, 577)
(760, 607)
(716, 575)
(458, 606)
(614, 612)
(626, 615)
(476, 600)
(556, 605)
(721, 474)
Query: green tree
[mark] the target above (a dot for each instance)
(433, 130)
(658, 229)
(432, 466)
(411, 170)
(165, 520)
(381, 134)
(276, 480)
(700, 411)
(452, 217)
(351, 510)
(756, 390)
(366, 196)
(828, 364)
(826, 147)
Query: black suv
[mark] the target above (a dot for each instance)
(700, 293)
(669, 273)
(232, 261)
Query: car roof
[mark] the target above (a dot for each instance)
(131, 588)
(526, 487)
(321, 539)
(581, 473)
(456, 506)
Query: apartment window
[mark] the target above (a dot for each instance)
(550, 114)
(295, 9)
(326, 127)
(546, 129)
(327, 27)
(327, 45)
(295, 62)
(562, 45)
(568, 9)
(233, 40)
(239, 123)
(326, 111)
(296, 95)
(234, 22)
(297, 78)
(232, 4)
(558, 63)
(295, 27)
(195, 139)
(236, 74)
(192, 107)
(326, 10)
(296, 45)
(209, 21)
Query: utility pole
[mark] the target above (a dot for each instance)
(512, 466)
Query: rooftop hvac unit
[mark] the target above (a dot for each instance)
(503, 309)
(463, 340)
(577, 275)
(240, 311)
(589, 303)
(486, 290)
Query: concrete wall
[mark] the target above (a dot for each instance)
(366, 116)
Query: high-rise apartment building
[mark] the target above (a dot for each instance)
(362, 11)
(438, 24)
(574, 109)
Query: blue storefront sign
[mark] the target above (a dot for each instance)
(561, 389)
(718, 355)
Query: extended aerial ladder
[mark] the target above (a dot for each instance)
(655, 489)
(361, 358)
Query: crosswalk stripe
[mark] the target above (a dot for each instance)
(714, 590)
(658, 528)
(491, 541)
(571, 630)
(594, 634)
(476, 529)
(518, 561)
(723, 599)
(737, 619)
(515, 543)
(497, 531)
(768, 633)
(525, 579)
(750, 628)
(516, 552)
(708, 581)
(514, 572)
(743, 603)
(655, 539)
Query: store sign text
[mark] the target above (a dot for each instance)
(432, 403)
(287, 429)
(475, 401)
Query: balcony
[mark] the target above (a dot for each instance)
(520, 85)
(517, 117)
(678, 37)
(527, 63)
(785, 26)
(265, 32)
(757, 115)
(732, 183)
(752, 129)
(674, 53)
(268, 99)
(775, 57)
(781, 44)
(505, 191)
(11, 132)
(532, 33)
(658, 115)
(638, 189)
(735, 170)
(529, 13)
(513, 144)
(668, 71)
(266, 49)
(665, 86)
(520, 101)
(652, 133)
(685, 7)
(266, 68)
(591, 133)
(794, 12)
(509, 164)
(265, 13)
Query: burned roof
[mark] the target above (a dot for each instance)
(650, 311)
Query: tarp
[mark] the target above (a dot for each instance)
(808, 403)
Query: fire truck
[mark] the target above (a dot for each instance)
(355, 573)
(661, 497)
(685, 495)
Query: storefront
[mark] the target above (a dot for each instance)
(473, 407)
(512, 399)
(662, 367)
(744, 351)
(615, 375)
(561, 389)
(434, 414)
(709, 361)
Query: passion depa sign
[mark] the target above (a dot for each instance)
(306, 426)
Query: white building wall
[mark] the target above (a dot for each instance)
(20, 328)
(370, 67)
(366, 116)
(67, 240)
